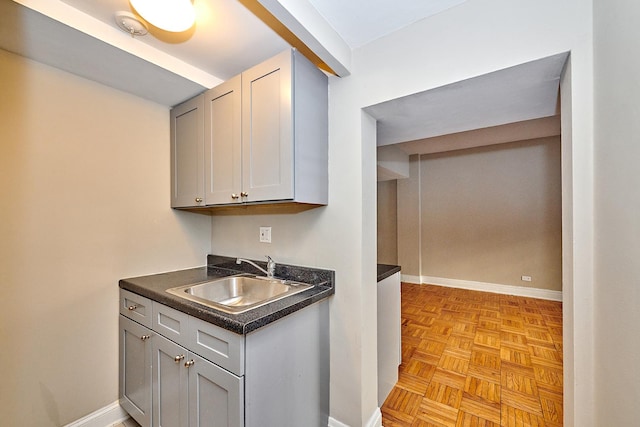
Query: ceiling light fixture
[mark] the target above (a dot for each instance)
(130, 24)
(170, 15)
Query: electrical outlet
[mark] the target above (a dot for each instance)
(265, 234)
(526, 278)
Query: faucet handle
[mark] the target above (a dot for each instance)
(271, 266)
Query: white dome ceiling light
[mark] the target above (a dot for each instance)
(170, 15)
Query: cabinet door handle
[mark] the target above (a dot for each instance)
(145, 337)
(244, 194)
(178, 358)
(234, 196)
(198, 199)
(132, 307)
(189, 363)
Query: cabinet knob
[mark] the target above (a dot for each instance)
(132, 307)
(198, 199)
(178, 358)
(145, 337)
(189, 363)
(234, 196)
(244, 194)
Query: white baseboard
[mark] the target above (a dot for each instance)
(103, 417)
(410, 279)
(374, 421)
(335, 423)
(493, 287)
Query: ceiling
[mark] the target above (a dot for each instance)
(517, 94)
(225, 40)
(361, 21)
(81, 37)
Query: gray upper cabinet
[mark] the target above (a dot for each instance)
(267, 130)
(223, 150)
(265, 138)
(187, 153)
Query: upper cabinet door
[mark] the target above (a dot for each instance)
(223, 143)
(187, 153)
(267, 130)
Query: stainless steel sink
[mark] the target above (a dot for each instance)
(237, 294)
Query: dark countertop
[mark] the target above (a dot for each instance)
(154, 287)
(385, 270)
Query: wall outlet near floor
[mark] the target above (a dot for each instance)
(526, 278)
(265, 234)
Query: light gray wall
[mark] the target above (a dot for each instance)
(617, 199)
(451, 46)
(493, 214)
(489, 214)
(408, 224)
(84, 177)
(387, 222)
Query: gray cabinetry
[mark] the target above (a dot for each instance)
(185, 372)
(222, 347)
(285, 131)
(187, 153)
(170, 384)
(135, 370)
(162, 383)
(223, 150)
(265, 138)
(267, 130)
(287, 371)
(216, 397)
(191, 391)
(135, 307)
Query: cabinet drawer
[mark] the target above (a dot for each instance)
(170, 323)
(218, 345)
(135, 307)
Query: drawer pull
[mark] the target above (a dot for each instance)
(178, 358)
(189, 363)
(132, 307)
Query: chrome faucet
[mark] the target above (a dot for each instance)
(271, 266)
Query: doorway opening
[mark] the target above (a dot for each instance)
(445, 152)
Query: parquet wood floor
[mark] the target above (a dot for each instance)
(477, 359)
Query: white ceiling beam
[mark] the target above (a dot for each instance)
(306, 24)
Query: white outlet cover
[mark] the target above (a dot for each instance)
(265, 234)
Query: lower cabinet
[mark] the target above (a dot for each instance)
(184, 372)
(191, 391)
(135, 370)
(170, 383)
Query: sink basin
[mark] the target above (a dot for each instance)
(237, 294)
